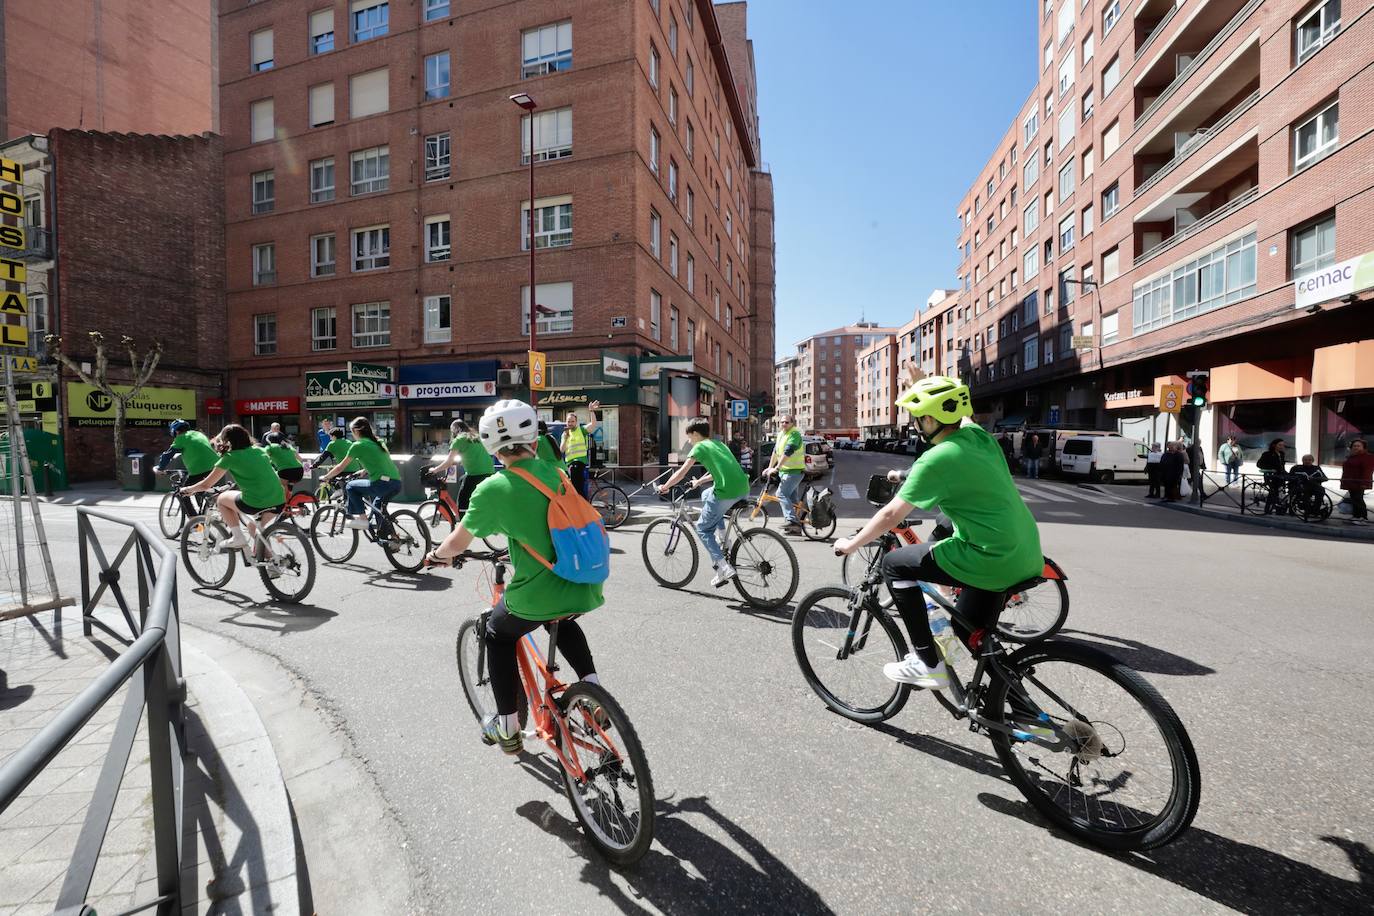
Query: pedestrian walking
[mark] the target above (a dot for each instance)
(1152, 470)
(322, 435)
(1004, 441)
(1172, 467)
(1357, 478)
(1030, 456)
(1273, 465)
(1231, 456)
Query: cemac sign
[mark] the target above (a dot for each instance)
(1335, 281)
(87, 406)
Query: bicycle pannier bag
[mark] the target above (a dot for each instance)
(820, 507)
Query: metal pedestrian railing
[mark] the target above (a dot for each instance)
(151, 666)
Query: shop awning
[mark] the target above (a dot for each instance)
(1265, 381)
(1344, 367)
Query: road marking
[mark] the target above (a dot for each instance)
(1045, 493)
(1092, 496)
(1063, 513)
(848, 491)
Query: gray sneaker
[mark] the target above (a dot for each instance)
(493, 734)
(724, 573)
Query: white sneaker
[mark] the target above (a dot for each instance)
(911, 670)
(238, 541)
(359, 523)
(724, 573)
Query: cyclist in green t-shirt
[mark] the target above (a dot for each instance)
(465, 449)
(383, 480)
(337, 449)
(725, 483)
(198, 456)
(994, 544)
(536, 596)
(259, 489)
(284, 459)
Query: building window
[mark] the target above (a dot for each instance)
(1048, 56)
(324, 329)
(1316, 28)
(691, 141)
(1031, 125)
(321, 31)
(672, 184)
(1111, 139)
(1030, 172)
(553, 224)
(1068, 122)
(437, 238)
(672, 328)
(260, 50)
(437, 84)
(261, 128)
(691, 337)
(1088, 104)
(653, 66)
(1065, 24)
(370, 20)
(264, 335)
(1068, 290)
(1316, 138)
(691, 274)
(369, 93)
(655, 229)
(436, 9)
(655, 313)
(1087, 53)
(690, 212)
(1087, 220)
(1066, 180)
(322, 256)
(1220, 277)
(1088, 164)
(1111, 199)
(1067, 69)
(1314, 246)
(1048, 353)
(372, 324)
(321, 105)
(1110, 328)
(264, 265)
(370, 170)
(438, 156)
(689, 75)
(1111, 75)
(547, 49)
(672, 105)
(1030, 352)
(264, 191)
(653, 150)
(438, 319)
(371, 248)
(1066, 233)
(322, 180)
(1111, 265)
(1110, 14)
(672, 34)
(554, 303)
(672, 254)
(1030, 262)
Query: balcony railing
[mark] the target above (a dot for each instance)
(1215, 216)
(1196, 142)
(38, 246)
(1202, 56)
(1156, 32)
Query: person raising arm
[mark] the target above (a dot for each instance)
(576, 445)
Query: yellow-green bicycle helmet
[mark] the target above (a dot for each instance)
(938, 396)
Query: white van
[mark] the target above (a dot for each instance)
(1104, 458)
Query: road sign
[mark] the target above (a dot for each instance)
(1170, 398)
(1054, 415)
(739, 410)
(539, 362)
(620, 321)
(1082, 342)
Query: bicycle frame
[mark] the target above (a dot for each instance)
(765, 497)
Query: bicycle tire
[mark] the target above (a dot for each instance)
(1036, 625)
(808, 618)
(435, 517)
(473, 676)
(619, 739)
(666, 544)
(405, 549)
(302, 558)
(1318, 510)
(200, 539)
(1030, 662)
(814, 533)
(755, 567)
(331, 538)
(171, 517)
(854, 566)
(751, 514)
(613, 504)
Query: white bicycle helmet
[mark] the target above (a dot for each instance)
(508, 423)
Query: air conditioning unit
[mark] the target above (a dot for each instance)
(508, 378)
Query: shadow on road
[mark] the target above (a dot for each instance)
(1236, 875)
(282, 619)
(1144, 658)
(12, 697)
(949, 752)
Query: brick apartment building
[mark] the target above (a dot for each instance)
(879, 367)
(1204, 171)
(822, 378)
(375, 184)
(937, 353)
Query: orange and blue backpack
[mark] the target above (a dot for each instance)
(581, 547)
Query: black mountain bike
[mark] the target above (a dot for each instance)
(402, 534)
(1089, 742)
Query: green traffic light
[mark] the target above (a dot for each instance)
(1199, 401)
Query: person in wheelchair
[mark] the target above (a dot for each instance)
(1305, 485)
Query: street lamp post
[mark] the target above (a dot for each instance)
(523, 101)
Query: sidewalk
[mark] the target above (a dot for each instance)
(1219, 507)
(105, 493)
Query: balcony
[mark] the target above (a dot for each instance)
(1151, 18)
(1189, 48)
(38, 247)
(1228, 185)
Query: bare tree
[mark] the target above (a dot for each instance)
(141, 369)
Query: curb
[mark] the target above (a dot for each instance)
(1259, 521)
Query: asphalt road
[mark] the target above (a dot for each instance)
(768, 803)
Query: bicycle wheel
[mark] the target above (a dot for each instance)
(670, 552)
(613, 505)
(208, 563)
(766, 570)
(614, 799)
(1255, 499)
(333, 540)
(847, 672)
(472, 671)
(1036, 613)
(751, 514)
(436, 518)
(818, 533)
(1318, 508)
(854, 566)
(1124, 775)
(409, 541)
(170, 515)
(289, 573)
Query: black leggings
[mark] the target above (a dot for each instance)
(903, 571)
(504, 630)
(470, 482)
(188, 505)
(577, 475)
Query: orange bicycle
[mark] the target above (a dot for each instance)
(605, 773)
(754, 513)
(442, 509)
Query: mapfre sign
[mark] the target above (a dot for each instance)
(258, 406)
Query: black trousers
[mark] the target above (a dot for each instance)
(577, 473)
(1152, 474)
(470, 482)
(504, 630)
(903, 571)
(188, 505)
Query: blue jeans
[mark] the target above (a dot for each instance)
(380, 490)
(1032, 467)
(712, 520)
(788, 484)
(1232, 473)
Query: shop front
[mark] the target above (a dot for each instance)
(258, 415)
(334, 395)
(433, 395)
(1343, 396)
(1136, 414)
(618, 407)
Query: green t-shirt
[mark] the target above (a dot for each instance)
(474, 456)
(545, 450)
(254, 476)
(995, 542)
(374, 459)
(727, 476)
(792, 438)
(338, 448)
(283, 457)
(506, 504)
(197, 455)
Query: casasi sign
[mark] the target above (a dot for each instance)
(87, 406)
(334, 389)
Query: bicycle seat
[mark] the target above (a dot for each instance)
(1024, 585)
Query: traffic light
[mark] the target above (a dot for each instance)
(1197, 391)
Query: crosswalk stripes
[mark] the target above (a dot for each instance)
(1040, 494)
(1057, 493)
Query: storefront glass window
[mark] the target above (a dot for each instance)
(1344, 417)
(1256, 423)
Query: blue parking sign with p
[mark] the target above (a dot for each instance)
(739, 410)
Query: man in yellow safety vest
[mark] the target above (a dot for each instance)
(576, 445)
(789, 461)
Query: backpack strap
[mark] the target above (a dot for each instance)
(538, 485)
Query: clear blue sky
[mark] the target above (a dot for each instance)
(876, 116)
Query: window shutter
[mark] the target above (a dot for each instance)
(565, 36)
(261, 46)
(321, 104)
(262, 124)
(369, 93)
(321, 23)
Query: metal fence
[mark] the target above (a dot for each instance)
(151, 666)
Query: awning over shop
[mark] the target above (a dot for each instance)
(1266, 381)
(1344, 367)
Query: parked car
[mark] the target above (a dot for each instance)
(817, 459)
(1104, 458)
(861, 445)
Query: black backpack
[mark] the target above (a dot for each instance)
(820, 507)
